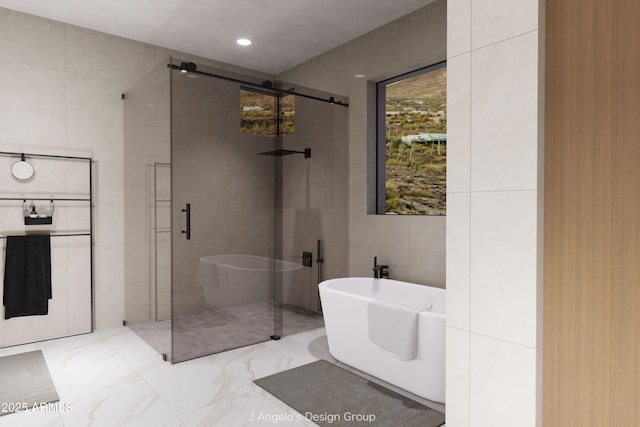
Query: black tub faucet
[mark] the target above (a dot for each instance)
(379, 271)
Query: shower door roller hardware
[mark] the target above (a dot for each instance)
(188, 212)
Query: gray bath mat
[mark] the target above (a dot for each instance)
(331, 396)
(25, 381)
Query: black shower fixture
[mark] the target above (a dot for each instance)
(281, 152)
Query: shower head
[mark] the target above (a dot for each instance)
(281, 152)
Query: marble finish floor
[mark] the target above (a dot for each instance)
(113, 378)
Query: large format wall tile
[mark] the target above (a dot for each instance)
(427, 233)
(457, 377)
(365, 54)
(497, 20)
(31, 131)
(459, 123)
(504, 108)
(458, 258)
(137, 263)
(109, 306)
(78, 263)
(109, 265)
(427, 268)
(504, 264)
(31, 41)
(25, 87)
(392, 231)
(329, 76)
(502, 383)
(101, 55)
(94, 97)
(103, 140)
(79, 314)
(458, 27)
(143, 106)
(428, 47)
(109, 182)
(109, 224)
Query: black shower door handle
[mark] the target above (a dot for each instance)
(188, 212)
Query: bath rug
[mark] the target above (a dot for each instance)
(25, 381)
(331, 396)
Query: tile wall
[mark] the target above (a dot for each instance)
(494, 213)
(412, 246)
(494, 192)
(60, 93)
(315, 203)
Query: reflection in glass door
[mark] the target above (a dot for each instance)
(222, 221)
(259, 178)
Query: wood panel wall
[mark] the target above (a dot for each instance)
(592, 214)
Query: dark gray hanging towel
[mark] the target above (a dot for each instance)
(27, 276)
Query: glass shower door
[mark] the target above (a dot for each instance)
(222, 221)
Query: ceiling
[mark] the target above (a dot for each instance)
(284, 32)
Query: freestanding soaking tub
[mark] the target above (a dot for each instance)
(230, 280)
(345, 304)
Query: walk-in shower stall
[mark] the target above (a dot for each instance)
(256, 181)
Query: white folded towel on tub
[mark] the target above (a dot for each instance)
(394, 328)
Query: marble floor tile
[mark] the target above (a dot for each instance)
(112, 377)
(257, 361)
(129, 402)
(190, 385)
(32, 419)
(253, 410)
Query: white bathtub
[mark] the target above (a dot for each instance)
(230, 280)
(345, 303)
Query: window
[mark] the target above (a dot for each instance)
(412, 143)
(259, 113)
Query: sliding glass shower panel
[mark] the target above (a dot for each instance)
(313, 206)
(222, 210)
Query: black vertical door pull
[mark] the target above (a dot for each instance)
(188, 230)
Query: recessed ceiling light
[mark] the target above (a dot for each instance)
(243, 42)
(359, 76)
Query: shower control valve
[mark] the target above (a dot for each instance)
(307, 258)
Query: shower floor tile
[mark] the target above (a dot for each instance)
(209, 330)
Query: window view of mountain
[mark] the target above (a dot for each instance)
(416, 144)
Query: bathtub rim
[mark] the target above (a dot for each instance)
(325, 285)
